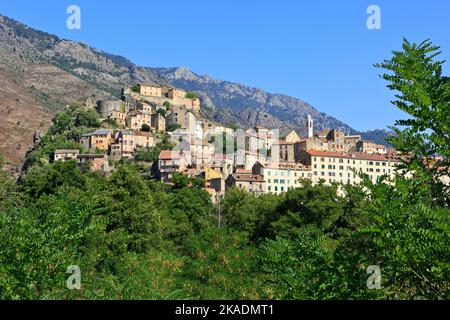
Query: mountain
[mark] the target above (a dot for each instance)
(41, 73)
(248, 106)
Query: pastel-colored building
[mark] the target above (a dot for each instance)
(169, 162)
(143, 139)
(125, 139)
(282, 177)
(96, 162)
(158, 122)
(344, 167)
(119, 117)
(100, 139)
(150, 90)
(291, 137)
(136, 119)
(66, 154)
(251, 183)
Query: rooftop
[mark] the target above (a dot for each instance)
(101, 132)
(143, 133)
(127, 132)
(169, 155)
(359, 155)
(248, 177)
(62, 151)
(91, 156)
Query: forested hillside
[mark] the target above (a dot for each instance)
(136, 238)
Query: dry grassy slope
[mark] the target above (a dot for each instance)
(29, 101)
(21, 114)
(41, 73)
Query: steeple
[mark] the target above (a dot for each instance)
(310, 126)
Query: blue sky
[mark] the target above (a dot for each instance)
(320, 51)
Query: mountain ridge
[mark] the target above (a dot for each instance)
(53, 72)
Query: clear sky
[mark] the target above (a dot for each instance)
(320, 51)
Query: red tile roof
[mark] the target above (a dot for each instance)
(169, 155)
(359, 156)
(248, 177)
(243, 171)
(142, 133)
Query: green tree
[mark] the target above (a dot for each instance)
(173, 127)
(423, 92)
(89, 118)
(167, 104)
(162, 112)
(191, 95)
(146, 128)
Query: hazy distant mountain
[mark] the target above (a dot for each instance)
(40, 73)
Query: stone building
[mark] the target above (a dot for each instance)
(251, 183)
(66, 154)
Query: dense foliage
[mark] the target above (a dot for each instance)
(136, 238)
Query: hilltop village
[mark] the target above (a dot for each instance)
(258, 160)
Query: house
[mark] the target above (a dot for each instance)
(100, 139)
(169, 162)
(257, 141)
(223, 164)
(136, 119)
(66, 154)
(125, 140)
(252, 183)
(143, 139)
(370, 147)
(247, 159)
(286, 150)
(145, 107)
(335, 140)
(158, 122)
(96, 162)
(214, 183)
(150, 90)
(282, 177)
(184, 118)
(172, 93)
(119, 117)
(115, 152)
(291, 137)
